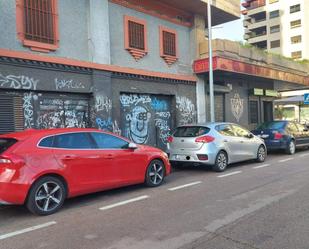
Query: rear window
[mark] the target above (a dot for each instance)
(191, 131)
(6, 143)
(272, 125)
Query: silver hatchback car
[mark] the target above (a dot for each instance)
(215, 144)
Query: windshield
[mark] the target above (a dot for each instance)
(191, 131)
(275, 125)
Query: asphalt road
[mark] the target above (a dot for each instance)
(250, 206)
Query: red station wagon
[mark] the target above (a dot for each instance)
(41, 168)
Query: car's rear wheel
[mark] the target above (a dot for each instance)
(261, 154)
(46, 196)
(155, 173)
(221, 162)
(291, 148)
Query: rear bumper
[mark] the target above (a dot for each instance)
(192, 157)
(276, 144)
(11, 193)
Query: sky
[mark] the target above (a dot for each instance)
(232, 31)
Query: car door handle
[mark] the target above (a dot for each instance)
(225, 141)
(69, 157)
(109, 156)
(241, 142)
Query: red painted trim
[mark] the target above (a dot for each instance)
(34, 45)
(161, 11)
(136, 53)
(235, 66)
(77, 63)
(168, 58)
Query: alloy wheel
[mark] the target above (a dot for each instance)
(292, 147)
(156, 173)
(222, 161)
(261, 154)
(48, 196)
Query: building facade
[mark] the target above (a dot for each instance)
(118, 65)
(278, 26)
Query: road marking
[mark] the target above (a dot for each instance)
(230, 174)
(26, 230)
(143, 197)
(285, 160)
(303, 155)
(262, 166)
(185, 186)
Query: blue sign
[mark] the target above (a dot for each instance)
(306, 98)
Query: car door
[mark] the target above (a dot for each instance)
(230, 142)
(294, 133)
(76, 155)
(303, 134)
(247, 146)
(124, 165)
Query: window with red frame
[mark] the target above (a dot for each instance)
(169, 43)
(136, 35)
(39, 21)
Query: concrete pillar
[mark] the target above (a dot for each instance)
(98, 32)
(102, 100)
(201, 100)
(197, 35)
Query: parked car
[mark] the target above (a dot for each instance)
(216, 144)
(41, 168)
(283, 135)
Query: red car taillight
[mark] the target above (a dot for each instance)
(170, 139)
(278, 136)
(11, 159)
(205, 139)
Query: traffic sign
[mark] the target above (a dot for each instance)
(306, 98)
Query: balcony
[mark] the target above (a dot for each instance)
(254, 4)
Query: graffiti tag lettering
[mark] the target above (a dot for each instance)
(134, 99)
(103, 103)
(18, 82)
(186, 109)
(68, 84)
(28, 110)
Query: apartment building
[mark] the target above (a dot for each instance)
(118, 65)
(278, 26)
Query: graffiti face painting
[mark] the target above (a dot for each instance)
(138, 124)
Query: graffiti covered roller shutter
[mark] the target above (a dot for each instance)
(146, 119)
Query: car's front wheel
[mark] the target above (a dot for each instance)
(155, 173)
(221, 162)
(261, 154)
(46, 196)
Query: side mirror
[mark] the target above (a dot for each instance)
(132, 146)
(250, 135)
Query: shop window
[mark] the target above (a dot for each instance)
(135, 37)
(275, 44)
(168, 45)
(274, 14)
(296, 55)
(295, 24)
(37, 24)
(275, 29)
(253, 112)
(295, 8)
(296, 39)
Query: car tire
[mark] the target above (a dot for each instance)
(221, 162)
(291, 148)
(261, 154)
(46, 196)
(155, 173)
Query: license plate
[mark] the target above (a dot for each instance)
(180, 157)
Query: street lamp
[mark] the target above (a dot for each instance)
(211, 79)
